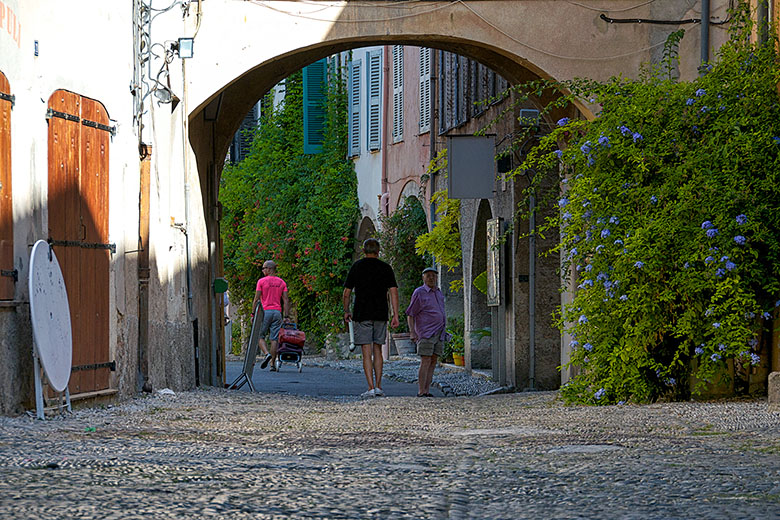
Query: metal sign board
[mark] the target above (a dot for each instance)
(471, 167)
(50, 315)
(494, 262)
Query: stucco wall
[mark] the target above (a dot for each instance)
(89, 51)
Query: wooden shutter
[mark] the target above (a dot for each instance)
(425, 89)
(398, 93)
(374, 73)
(79, 137)
(463, 89)
(354, 107)
(448, 74)
(6, 194)
(315, 77)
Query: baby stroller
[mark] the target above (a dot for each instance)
(290, 348)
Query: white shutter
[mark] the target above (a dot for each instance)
(374, 73)
(398, 93)
(354, 108)
(425, 89)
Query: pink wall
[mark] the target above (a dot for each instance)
(408, 159)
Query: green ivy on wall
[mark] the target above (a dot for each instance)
(669, 223)
(298, 209)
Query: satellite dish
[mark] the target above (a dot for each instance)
(50, 315)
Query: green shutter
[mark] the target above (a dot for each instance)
(314, 97)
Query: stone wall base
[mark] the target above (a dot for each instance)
(773, 391)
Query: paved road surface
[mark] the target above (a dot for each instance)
(221, 454)
(317, 382)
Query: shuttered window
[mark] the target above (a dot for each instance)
(398, 93)
(315, 78)
(463, 90)
(374, 74)
(6, 198)
(425, 89)
(354, 107)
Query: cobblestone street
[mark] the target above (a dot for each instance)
(214, 453)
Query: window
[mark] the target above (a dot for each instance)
(398, 93)
(315, 84)
(374, 74)
(354, 107)
(425, 89)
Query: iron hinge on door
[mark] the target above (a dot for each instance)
(100, 126)
(50, 112)
(111, 365)
(8, 97)
(86, 245)
(10, 274)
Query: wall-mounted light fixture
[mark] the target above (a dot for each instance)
(185, 47)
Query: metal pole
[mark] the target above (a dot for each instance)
(532, 293)
(705, 31)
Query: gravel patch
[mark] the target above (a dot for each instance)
(451, 380)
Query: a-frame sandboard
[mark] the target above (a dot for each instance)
(251, 353)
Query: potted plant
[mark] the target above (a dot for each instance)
(454, 348)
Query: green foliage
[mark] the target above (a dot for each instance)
(400, 230)
(297, 209)
(480, 282)
(455, 345)
(443, 241)
(669, 221)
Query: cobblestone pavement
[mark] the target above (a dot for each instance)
(213, 453)
(451, 380)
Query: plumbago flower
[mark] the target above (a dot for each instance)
(698, 228)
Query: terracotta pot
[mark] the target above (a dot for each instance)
(458, 359)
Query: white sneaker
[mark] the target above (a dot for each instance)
(378, 392)
(367, 394)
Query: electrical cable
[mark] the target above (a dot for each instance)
(666, 22)
(261, 3)
(602, 10)
(365, 20)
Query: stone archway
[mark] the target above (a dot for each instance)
(483, 350)
(267, 41)
(366, 229)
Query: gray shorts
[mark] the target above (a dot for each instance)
(367, 332)
(272, 321)
(430, 346)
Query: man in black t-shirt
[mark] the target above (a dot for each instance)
(372, 280)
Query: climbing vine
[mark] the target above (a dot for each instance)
(297, 209)
(669, 223)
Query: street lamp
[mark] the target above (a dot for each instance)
(185, 47)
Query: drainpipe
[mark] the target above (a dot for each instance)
(432, 133)
(185, 228)
(385, 200)
(532, 293)
(705, 32)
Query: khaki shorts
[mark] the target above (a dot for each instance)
(368, 332)
(430, 346)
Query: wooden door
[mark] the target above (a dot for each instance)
(6, 199)
(78, 228)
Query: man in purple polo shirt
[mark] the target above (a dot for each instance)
(427, 324)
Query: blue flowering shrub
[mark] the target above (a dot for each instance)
(669, 215)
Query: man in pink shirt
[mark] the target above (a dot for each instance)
(271, 292)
